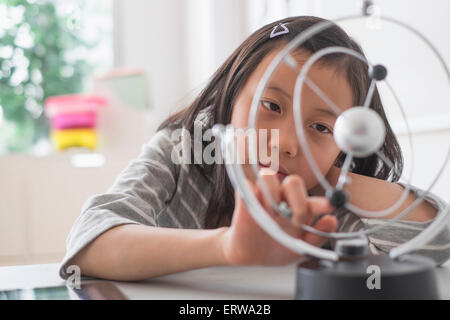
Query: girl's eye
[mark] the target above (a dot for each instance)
(321, 128)
(271, 106)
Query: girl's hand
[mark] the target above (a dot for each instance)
(246, 243)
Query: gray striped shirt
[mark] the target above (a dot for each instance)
(154, 191)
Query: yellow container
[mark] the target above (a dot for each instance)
(68, 138)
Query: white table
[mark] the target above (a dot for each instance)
(209, 283)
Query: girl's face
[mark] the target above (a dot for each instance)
(275, 112)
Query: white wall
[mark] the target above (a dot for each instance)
(150, 36)
(213, 30)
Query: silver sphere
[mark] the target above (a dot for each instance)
(359, 131)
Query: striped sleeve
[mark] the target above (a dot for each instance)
(137, 196)
(383, 240)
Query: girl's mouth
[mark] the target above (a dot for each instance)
(281, 173)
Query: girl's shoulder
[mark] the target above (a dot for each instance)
(178, 133)
(176, 147)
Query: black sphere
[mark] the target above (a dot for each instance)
(378, 72)
(337, 198)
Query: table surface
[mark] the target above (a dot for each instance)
(208, 283)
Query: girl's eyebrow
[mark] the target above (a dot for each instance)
(280, 90)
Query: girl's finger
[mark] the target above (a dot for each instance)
(272, 184)
(294, 191)
(319, 205)
(240, 203)
(326, 224)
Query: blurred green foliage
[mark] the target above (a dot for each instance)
(35, 42)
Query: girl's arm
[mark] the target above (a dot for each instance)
(132, 252)
(375, 194)
(138, 196)
(118, 234)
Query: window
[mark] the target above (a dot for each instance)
(47, 48)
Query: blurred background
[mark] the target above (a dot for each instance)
(144, 59)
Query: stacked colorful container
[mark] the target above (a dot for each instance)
(74, 120)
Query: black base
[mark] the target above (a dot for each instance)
(409, 277)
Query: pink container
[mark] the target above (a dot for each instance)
(73, 103)
(74, 120)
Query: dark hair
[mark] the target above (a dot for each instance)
(226, 83)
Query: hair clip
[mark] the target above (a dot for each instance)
(283, 31)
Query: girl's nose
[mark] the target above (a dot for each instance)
(289, 147)
(288, 144)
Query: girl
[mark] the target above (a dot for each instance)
(162, 217)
